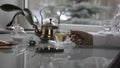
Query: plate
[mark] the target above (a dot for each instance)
(12, 43)
(5, 47)
(4, 31)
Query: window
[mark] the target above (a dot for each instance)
(75, 16)
(93, 19)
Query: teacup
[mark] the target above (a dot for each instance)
(17, 38)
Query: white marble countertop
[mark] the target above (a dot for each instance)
(95, 57)
(7, 59)
(76, 54)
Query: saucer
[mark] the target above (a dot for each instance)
(4, 31)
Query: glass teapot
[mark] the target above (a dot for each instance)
(48, 18)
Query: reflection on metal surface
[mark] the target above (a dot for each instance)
(46, 32)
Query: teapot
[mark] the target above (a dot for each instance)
(46, 32)
(47, 28)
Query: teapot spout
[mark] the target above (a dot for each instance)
(40, 33)
(37, 32)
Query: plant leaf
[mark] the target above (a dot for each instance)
(28, 15)
(11, 22)
(10, 7)
(25, 12)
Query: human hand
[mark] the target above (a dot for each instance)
(81, 38)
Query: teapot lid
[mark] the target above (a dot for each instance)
(50, 24)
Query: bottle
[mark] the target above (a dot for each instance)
(116, 20)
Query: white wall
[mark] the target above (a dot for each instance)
(5, 17)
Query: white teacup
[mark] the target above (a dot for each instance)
(17, 38)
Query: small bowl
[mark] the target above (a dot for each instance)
(17, 38)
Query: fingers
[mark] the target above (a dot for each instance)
(80, 37)
(76, 39)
